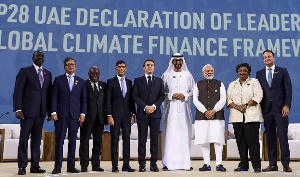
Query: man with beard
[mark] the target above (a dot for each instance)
(209, 121)
(177, 118)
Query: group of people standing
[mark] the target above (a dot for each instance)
(72, 102)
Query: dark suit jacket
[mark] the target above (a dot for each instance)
(64, 102)
(116, 105)
(143, 96)
(280, 92)
(28, 94)
(95, 103)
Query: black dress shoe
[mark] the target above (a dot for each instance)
(154, 168)
(142, 168)
(270, 168)
(165, 168)
(56, 171)
(287, 168)
(73, 170)
(240, 169)
(98, 169)
(22, 171)
(37, 170)
(128, 168)
(84, 169)
(257, 170)
(115, 169)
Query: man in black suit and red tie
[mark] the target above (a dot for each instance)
(120, 110)
(31, 102)
(276, 104)
(95, 119)
(68, 109)
(148, 94)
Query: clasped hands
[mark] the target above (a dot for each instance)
(149, 109)
(178, 96)
(210, 114)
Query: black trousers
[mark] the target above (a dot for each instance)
(30, 126)
(154, 124)
(86, 130)
(247, 139)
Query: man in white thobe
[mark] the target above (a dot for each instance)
(209, 97)
(177, 119)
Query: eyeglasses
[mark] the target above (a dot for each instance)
(242, 71)
(70, 64)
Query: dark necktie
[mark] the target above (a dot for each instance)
(95, 89)
(41, 77)
(270, 77)
(149, 82)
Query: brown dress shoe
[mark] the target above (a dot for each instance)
(286, 168)
(270, 168)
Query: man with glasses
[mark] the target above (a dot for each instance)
(68, 109)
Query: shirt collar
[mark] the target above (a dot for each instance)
(119, 78)
(37, 68)
(273, 68)
(146, 75)
(70, 75)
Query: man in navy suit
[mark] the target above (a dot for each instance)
(31, 102)
(121, 113)
(68, 109)
(94, 121)
(276, 104)
(148, 94)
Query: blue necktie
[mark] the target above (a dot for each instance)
(123, 87)
(270, 77)
(41, 77)
(71, 82)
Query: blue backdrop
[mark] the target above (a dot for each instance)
(222, 33)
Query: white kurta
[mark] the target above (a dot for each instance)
(177, 120)
(209, 131)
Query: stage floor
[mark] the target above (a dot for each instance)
(10, 169)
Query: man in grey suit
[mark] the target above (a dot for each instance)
(148, 94)
(276, 103)
(95, 119)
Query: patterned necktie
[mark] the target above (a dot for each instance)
(123, 87)
(270, 77)
(149, 82)
(71, 82)
(95, 89)
(41, 77)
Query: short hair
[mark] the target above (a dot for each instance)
(148, 60)
(67, 59)
(206, 66)
(36, 52)
(120, 62)
(243, 65)
(270, 52)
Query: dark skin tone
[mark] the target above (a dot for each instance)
(243, 74)
(38, 59)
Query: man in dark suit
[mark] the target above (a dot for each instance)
(94, 121)
(121, 113)
(68, 109)
(31, 102)
(276, 104)
(148, 94)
